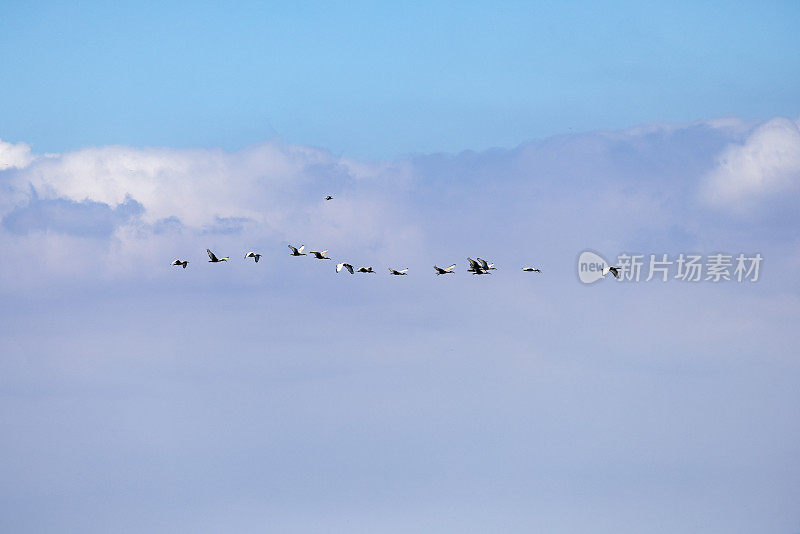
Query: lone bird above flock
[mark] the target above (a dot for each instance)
(297, 251)
(366, 270)
(183, 263)
(343, 265)
(253, 255)
(213, 259)
(612, 270)
(448, 270)
(398, 273)
(320, 255)
(329, 197)
(531, 270)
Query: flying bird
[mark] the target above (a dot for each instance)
(343, 265)
(297, 251)
(329, 197)
(320, 255)
(448, 270)
(366, 270)
(476, 268)
(213, 259)
(398, 273)
(253, 255)
(612, 270)
(531, 270)
(486, 266)
(183, 263)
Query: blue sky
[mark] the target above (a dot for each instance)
(284, 397)
(383, 79)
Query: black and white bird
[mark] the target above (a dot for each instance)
(344, 265)
(253, 255)
(320, 255)
(329, 197)
(297, 251)
(182, 263)
(448, 270)
(366, 270)
(398, 273)
(213, 259)
(476, 268)
(612, 270)
(486, 266)
(531, 270)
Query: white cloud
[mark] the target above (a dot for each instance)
(14, 156)
(270, 184)
(194, 185)
(128, 211)
(266, 193)
(765, 165)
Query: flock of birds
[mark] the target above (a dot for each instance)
(478, 266)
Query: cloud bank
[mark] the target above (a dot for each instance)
(764, 165)
(140, 397)
(156, 203)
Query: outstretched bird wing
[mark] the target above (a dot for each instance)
(612, 270)
(211, 255)
(450, 269)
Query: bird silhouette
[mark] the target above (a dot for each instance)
(213, 259)
(343, 265)
(448, 270)
(297, 251)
